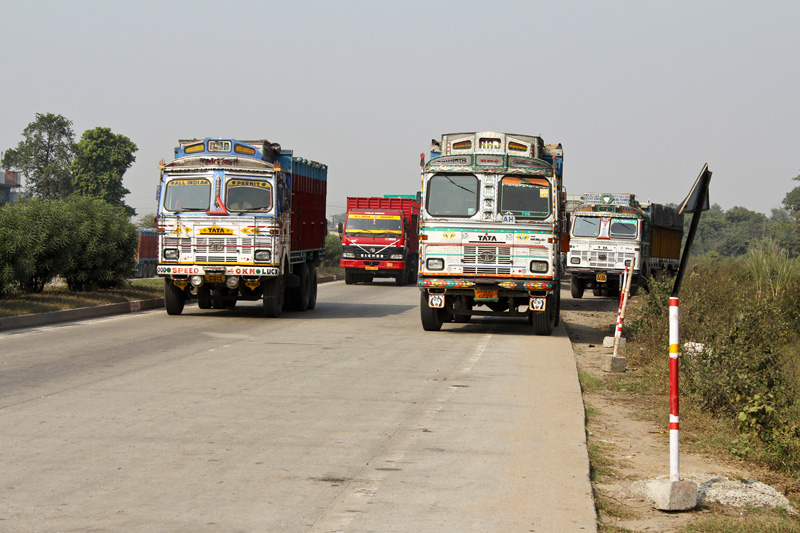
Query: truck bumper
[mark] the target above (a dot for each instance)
(389, 268)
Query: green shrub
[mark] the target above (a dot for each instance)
(35, 243)
(103, 245)
(333, 250)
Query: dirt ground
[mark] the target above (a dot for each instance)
(638, 449)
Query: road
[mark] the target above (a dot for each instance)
(347, 418)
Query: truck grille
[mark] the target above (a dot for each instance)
(604, 259)
(487, 260)
(216, 250)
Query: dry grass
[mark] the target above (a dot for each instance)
(59, 298)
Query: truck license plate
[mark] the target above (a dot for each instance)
(216, 278)
(371, 268)
(486, 295)
(538, 304)
(601, 277)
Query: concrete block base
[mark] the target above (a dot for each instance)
(608, 342)
(609, 363)
(669, 495)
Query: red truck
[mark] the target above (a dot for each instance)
(380, 239)
(146, 253)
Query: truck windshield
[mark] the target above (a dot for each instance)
(187, 194)
(605, 227)
(525, 197)
(363, 225)
(247, 194)
(452, 195)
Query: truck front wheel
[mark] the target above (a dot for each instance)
(432, 317)
(576, 287)
(173, 298)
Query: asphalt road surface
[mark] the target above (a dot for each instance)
(347, 418)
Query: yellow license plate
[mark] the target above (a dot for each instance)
(601, 277)
(485, 295)
(215, 278)
(371, 268)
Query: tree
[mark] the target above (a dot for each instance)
(101, 159)
(792, 199)
(44, 156)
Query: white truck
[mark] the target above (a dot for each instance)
(611, 231)
(240, 220)
(490, 229)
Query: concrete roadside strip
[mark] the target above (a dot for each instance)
(84, 313)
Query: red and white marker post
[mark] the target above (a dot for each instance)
(674, 431)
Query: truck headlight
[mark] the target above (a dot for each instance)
(233, 281)
(435, 264)
(396, 257)
(348, 255)
(627, 262)
(539, 266)
(197, 280)
(171, 254)
(575, 260)
(263, 256)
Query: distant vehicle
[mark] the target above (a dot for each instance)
(146, 253)
(380, 239)
(240, 220)
(611, 231)
(492, 219)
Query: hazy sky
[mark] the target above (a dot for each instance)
(640, 93)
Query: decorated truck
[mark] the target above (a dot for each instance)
(611, 231)
(490, 229)
(240, 220)
(380, 239)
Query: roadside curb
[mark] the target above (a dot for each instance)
(84, 313)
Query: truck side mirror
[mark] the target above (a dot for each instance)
(341, 229)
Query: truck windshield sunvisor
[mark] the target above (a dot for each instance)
(187, 194)
(452, 195)
(525, 197)
(248, 195)
(373, 225)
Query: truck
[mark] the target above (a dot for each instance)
(240, 220)
(612, 231)
(146, 253)
(380, 239)
(493, 213)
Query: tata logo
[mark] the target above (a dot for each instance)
(216, 230)
(487, 238)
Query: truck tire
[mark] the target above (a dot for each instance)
(432, 317)
(304, 290)
(273, 297)
(312, 297)
(543, 321)
(576, 287)
(204, 303)
(400, 279)
(597, 291)
(174, 299)
(349, 278)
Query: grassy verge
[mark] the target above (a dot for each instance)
(60, 298)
